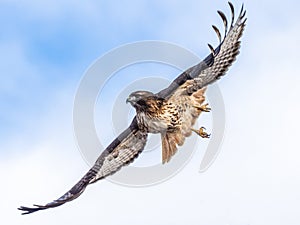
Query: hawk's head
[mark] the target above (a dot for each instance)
(144, 101)
(138, 98)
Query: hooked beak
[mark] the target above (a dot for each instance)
(129, 99)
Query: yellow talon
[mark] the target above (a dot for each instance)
(203, 108)
(201, 132)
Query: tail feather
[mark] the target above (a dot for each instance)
(170, 141)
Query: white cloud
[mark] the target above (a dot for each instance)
(253, 181)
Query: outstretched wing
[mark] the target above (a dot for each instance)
(122, 151)
(190, 85)
(215, 64)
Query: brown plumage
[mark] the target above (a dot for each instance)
(173, 118)
(188, 110)
(172, 112)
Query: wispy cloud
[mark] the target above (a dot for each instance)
(46, 47)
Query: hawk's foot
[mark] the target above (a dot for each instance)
(204, 108)
(201, 132)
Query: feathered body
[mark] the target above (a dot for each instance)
(173, 118)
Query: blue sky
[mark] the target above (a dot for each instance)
(47, 46)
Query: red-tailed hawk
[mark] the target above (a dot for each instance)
(172, 112)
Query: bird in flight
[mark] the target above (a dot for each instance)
(171, 112)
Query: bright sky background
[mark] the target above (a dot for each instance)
(45, 49)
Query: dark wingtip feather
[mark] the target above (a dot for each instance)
(28, 210)
(217, 32)
(232, 13)
(243, 15)
(212, 49)
(242, 9)
(224, 19)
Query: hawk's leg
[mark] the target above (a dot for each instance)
(204, 108)
(201, 132)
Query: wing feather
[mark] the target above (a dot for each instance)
(122, 151)
(215, 64)
(226, 54)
